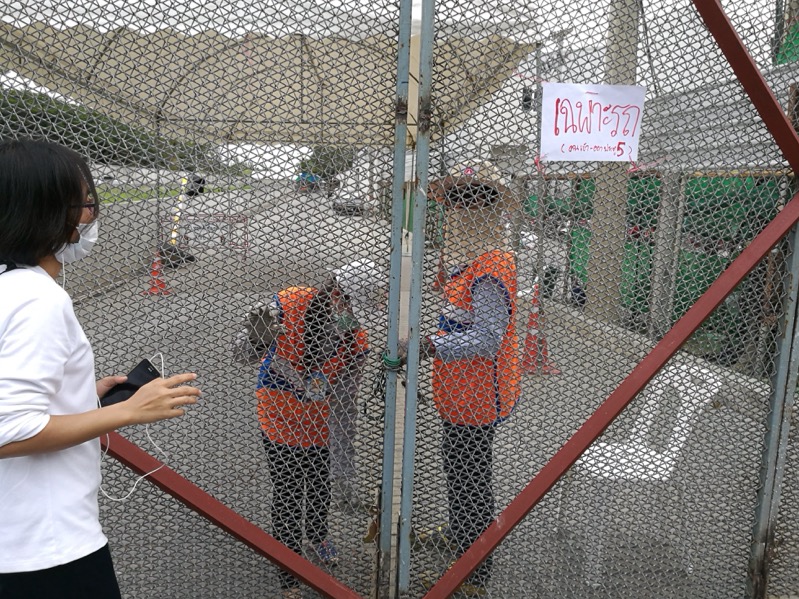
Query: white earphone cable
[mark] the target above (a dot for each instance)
(160, 451)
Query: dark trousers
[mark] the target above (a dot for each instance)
(468, 461)
(90, 577)
(300, 485)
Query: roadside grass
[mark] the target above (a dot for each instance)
(109, 194)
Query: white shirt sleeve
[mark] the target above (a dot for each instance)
(35, 344)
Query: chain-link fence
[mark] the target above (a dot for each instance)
(257, 201)
(608, 256)
(210, 130)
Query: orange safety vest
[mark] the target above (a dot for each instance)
(284, 416)
(478, 391)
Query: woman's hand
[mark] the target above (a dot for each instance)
(160, 399)
(157, 400)
(105, 384)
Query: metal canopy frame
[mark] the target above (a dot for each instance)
(228, 520)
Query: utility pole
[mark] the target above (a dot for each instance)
(608, 224)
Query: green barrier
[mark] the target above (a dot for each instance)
(719, 334)
(789, 50)
(584, 199)
(643, 199)
(531, 206)
(643, 196)
(580, 239)
(636, 275)
(553, 206)
(636, 270)
(729, 208)
(725, 211)
(696, 270)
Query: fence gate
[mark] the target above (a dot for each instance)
(238, 150)
(678, 496)
(645, 307)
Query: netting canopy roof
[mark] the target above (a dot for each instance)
(286, 88)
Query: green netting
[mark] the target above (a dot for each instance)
(789, 49)
(729, 209)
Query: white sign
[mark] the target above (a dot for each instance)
(591, 122)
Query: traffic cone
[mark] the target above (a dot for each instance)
(157, 283)
(536, 353)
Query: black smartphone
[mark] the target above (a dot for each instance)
(143, 373)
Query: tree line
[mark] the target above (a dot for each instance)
(100, 138)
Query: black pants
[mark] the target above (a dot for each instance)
(90, 577)
(300, 484)
(468, 461)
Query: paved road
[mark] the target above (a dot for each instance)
(163, 550)
(291, 240)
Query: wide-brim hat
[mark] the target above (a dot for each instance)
(478, 185)
(361, 280)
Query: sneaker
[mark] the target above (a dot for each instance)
(440, 535)
(292, 593)
(471, 589)
(327, 553)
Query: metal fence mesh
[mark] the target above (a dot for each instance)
(242, 150)
(198, 226)
(783, 575)
(619, 252)
(166, 550)
(293, 239)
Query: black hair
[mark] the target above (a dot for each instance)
(43, 187)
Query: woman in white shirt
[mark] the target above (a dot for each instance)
(52, 543)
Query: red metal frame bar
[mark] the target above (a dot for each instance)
(225, 518)
(742, 63)
(780, 127)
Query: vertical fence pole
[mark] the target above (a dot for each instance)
(604, 268)
(391, 359)
(414, 310)
(776, 445)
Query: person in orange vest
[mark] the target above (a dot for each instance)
(316, 341)
(476, 372)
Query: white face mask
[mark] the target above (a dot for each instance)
(72, 252)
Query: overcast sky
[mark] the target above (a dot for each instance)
(525, 20)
